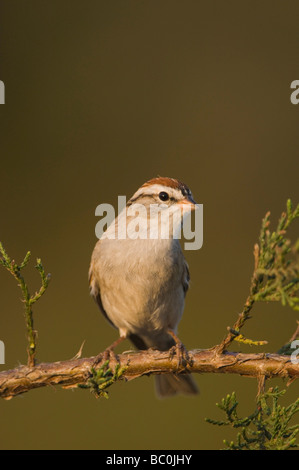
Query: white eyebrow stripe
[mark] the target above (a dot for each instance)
(156, 189)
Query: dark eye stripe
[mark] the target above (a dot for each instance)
(167, 197)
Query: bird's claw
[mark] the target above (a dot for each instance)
(180, 352)
(105, 356)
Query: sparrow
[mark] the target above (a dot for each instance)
(140, 283)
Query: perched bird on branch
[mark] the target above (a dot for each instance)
(140, 283)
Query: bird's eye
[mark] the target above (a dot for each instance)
(163, 196)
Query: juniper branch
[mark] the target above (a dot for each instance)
(276, 272)
(28, 299)
(267, 428)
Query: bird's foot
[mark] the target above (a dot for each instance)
(109, 353)
(179, 351)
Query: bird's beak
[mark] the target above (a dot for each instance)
(188, 203)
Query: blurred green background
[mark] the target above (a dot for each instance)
(100, 97)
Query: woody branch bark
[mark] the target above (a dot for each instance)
(71, 373)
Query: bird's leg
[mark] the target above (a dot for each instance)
(179, 350)
(109, 352)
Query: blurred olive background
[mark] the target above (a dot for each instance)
(100, 97)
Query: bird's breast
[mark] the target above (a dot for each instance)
(140, 282)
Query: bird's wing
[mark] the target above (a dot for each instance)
(96, 293)
(186, 277)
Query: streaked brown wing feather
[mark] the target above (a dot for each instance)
(186, 277)
(96, 294)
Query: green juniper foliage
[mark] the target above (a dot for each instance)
(275, 276)
(102, 378)
(28, 299)
(267, 428)
(277, 267)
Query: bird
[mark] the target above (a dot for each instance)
(140, 283)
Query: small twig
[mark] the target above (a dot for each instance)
(261, 381)
(295, 335)
(28, 300)
(242, 318)
(79, 353)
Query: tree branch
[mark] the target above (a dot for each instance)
(76, 372)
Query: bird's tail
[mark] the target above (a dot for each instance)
(171, 384)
